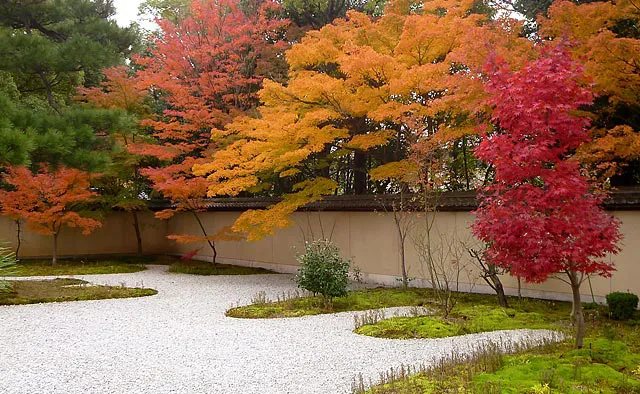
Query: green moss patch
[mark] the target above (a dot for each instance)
(195, 267)
(65, 289)
(79, 266)
(609, 363)
(569, 371)
(393, 297)
(463, 320)
(354, 301)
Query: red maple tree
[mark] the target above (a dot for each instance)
(206, 69)
(46, 200)
(540, 217)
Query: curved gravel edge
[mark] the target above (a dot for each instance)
(180, 341)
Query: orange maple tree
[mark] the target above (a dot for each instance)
(605, 40)
(117, 91)
(46, 200)
(356, 85)
(206, 70)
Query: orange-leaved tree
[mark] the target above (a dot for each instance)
(605, 39)
(47, 200)
(205, 70)
(357, 87)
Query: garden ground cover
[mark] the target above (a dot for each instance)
(65, 289)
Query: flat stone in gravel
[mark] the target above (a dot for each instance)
(180, 341)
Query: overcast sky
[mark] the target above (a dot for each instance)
(127, 12)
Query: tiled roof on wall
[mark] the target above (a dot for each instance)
(622, 199)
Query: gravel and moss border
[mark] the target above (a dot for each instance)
(65, 289)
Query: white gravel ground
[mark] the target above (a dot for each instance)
(179, 341)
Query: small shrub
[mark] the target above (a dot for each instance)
(322, 271)
(621, 305)
(540, 389)
(7, 263)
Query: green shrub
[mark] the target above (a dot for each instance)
(7, 262)
(322, 271)
(621, 305)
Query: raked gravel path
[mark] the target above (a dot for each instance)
(180, 341)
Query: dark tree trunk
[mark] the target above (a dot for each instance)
(19, 230)
(577, 316)
(466, 164)
(359, 172)
(502, 298)
(490, 275)
(54, 257)
(136, 226)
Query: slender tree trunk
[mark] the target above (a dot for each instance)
(403, 265)
(19, 230)
(136, 226)
(577, 317)
(54, 258)
(466, 164)
(211, 243)
(490, 276)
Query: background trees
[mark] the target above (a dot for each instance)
(48, 50)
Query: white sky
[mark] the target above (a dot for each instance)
(127, 12)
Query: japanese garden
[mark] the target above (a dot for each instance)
(322, 196)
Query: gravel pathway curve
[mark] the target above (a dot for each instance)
(179, 341)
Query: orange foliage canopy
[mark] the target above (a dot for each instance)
(46, 200)
(611, 61)
(118, 91)
(355, 85)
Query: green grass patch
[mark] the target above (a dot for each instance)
(65, 289)
(195, 267)
(80, 266)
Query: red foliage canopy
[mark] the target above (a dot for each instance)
(540, 216)
(208, 70)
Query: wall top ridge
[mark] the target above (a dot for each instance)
(620, 199)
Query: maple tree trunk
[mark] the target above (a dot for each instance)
(502, 298)
(54, 257)
(490, 276)
(402, 236)
(18, 228)
(359, 172)
(466, 164)
(577, 317)
(211, 243)
(136, 226)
